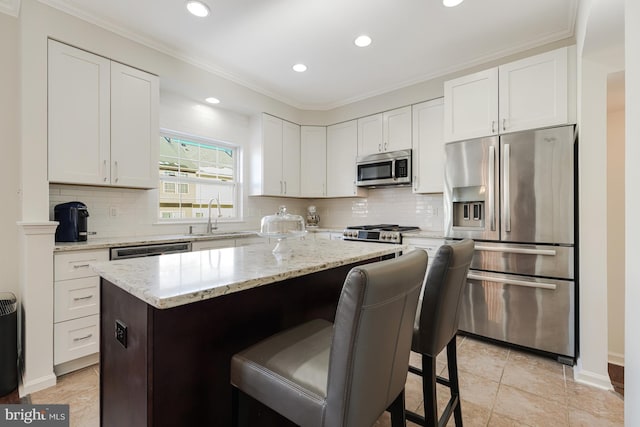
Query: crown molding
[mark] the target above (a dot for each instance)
(10, 7)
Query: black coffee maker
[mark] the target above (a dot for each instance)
(72, 217)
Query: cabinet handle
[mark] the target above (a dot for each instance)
(504, 124)
(81, 266)
(82, 338)
(385, 146)
(281, 188)
(116, 170)
(83, 298)
(379, 147)
(104, 170)
(285, 187)
(493, 126)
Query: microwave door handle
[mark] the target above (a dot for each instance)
(505, 188)
(492, 188)
(393, 169)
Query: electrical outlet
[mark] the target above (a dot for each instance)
(121, 333)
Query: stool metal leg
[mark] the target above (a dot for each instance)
(429, 390)
(239, 416)
(452, 363)
(397, 411)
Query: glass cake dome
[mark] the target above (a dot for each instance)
(282, 226)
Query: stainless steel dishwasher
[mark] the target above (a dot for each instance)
(125, 252)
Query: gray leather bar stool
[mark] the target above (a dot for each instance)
(436, 326)
(346, 373)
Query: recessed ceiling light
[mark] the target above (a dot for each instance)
(212, 100)
(362, 41)
(300, 68)
(198, 8)
(451, 3)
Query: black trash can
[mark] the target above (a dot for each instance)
(8, 343)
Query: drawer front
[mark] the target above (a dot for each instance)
(76, 298)
(74, 265)
(76, 338)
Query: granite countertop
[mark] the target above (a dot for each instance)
(172, 280)
(110, 242)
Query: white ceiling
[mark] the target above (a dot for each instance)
(255, 42)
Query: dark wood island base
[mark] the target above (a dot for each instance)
(174, 370)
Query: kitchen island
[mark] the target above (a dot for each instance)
(170, 324)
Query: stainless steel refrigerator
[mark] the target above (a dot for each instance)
(515, 196)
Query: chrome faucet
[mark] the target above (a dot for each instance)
(210, 228)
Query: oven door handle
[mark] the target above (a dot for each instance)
(540, 285)
(524, 251)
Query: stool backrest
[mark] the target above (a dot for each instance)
(372, 339)
(437, 322)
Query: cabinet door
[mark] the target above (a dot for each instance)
(134, 127)
(428, 147)
(342, 150)
(313, 161)
(290, 159)
(78, 116)
(471, 106)
(271, 148)
(396, 125)
(534, 92)
(370, 135)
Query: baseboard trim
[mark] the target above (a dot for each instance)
(616, 359)
(591, 378)
(74, 365)
(36, 384)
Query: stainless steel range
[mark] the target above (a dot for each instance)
(382, 233)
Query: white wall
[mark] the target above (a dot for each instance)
(615, 234)
(9, 172)
(632, 207)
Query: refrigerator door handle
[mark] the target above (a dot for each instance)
(525, 251)
(492, 188)
(525, 283)
(505, 188)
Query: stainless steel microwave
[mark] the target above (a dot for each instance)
(393, 168)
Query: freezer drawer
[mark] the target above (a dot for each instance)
(531, 260)
(531, 312)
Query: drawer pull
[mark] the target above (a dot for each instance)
(83, 298)
(82, 338)
(81, 266)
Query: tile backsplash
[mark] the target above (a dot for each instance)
(116, 212)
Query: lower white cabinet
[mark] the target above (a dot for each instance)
(76, 309)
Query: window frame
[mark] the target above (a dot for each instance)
(236, 183)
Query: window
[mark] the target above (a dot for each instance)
(192, 172)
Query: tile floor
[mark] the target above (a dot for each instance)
(499, 387)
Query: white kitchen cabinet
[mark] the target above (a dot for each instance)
(327, 235)
(342, 150)
(102, 120)
(384, 132)
(429, 244)
(531, 93)
(276, 159)
(428, 147)
(313, 161)
(205, 245)
(76, 309)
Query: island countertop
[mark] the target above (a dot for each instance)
(177, 279)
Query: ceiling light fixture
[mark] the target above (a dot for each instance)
(451, 3)
(300, 68)
(362, 41)
(198, 8)
(212, 100)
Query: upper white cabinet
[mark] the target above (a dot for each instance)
(428, 147)
(102, 120)
(534, 92)
(383, 132)
(276, 160)
(313, 161)
(342, 150)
